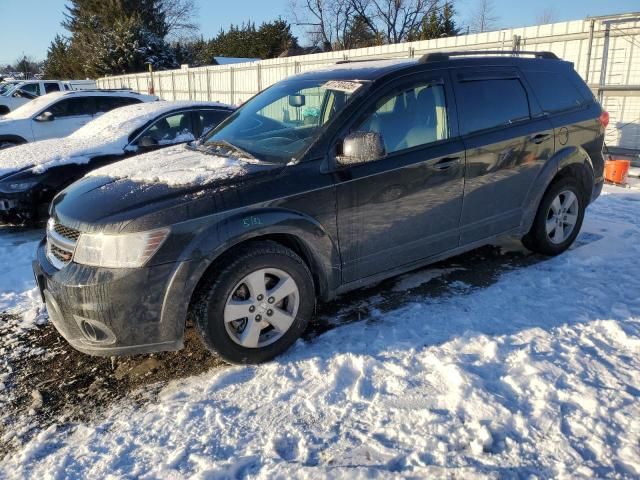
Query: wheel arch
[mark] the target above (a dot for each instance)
(13, 138)
(302, 234)
(568, 162)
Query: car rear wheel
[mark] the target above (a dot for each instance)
(559, 218)
(258, 304)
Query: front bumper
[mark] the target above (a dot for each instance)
(17, 206)
(106, 312)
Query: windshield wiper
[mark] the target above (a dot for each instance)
(223, 144)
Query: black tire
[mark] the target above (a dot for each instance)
(537, 239)
(209, 306)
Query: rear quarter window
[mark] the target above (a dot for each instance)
(489, 103)
(555, 92)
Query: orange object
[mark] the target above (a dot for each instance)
(615, 171)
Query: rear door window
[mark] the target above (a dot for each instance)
(106, 104)
(555, 91)
(491, 102)
(73, 107)
(50, 87)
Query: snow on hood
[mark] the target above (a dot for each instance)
(40, 156)
(174, 166)
(107, 135)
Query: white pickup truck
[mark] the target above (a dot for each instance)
(17, 93)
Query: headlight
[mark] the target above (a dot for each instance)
(17, 186)
(128, 250)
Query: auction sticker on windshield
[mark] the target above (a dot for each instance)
(342, 86)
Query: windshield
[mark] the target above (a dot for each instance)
(7, 87)
(279, 124)
(32, 107)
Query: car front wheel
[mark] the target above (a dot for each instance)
(559, 218)
(258, 304)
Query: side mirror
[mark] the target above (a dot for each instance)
(361, 147)
(147, 142)
(297, 100)
(45, 117)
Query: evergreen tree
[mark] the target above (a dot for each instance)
(59, 63)
(112, 36)
(360, 34)
(448, 24)
(439, 23)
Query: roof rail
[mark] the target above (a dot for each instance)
(442, 56)
(357, 60)
(102, 90)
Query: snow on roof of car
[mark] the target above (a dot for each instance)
(174, 166)
(38, 104)
(107, 135)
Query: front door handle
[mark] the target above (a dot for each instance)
(541, 137)
(446, 163)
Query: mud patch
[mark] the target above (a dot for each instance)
(55, 384)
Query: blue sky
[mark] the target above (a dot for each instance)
(29, 25)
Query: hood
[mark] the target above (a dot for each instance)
(43, 155)
(169, 185)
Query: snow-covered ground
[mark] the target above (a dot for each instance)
(534, 375)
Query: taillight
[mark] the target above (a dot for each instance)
(604, 119)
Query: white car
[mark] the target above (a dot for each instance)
(59, 114)
(16, 93)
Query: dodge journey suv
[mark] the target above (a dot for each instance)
(324, 182)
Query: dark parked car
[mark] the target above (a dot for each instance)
(31, 174)
(323, 183)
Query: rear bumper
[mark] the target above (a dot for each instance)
(107, 312)
(597, 188)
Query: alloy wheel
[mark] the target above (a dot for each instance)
(562, 216)
(261, 308)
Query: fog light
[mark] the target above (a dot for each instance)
(94, 331)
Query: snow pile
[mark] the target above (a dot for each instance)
(107, 135)
(173, 166)
(535, 376)
(17, 286)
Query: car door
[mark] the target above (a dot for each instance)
(405, 206)
(507, 140)
(67, 115)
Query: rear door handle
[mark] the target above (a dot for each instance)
(446, 163)
(541, 137)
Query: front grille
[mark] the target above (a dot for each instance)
(60, 254)
(67, 232)
(61, 243)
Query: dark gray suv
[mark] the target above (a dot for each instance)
(323, 183)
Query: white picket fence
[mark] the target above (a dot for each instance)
(605, 52)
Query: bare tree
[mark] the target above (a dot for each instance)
(484, 17)
(391, 21)
(327, 21)
(548, 15)
(179, 16)
(394, 20)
